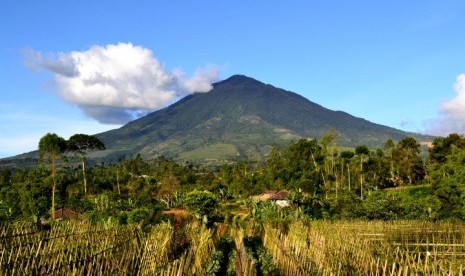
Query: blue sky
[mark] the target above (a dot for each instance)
(397, 63)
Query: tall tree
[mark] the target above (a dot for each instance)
(389, 147)
(300, 165)
(362, 152)
(51, 147)
(449, 184)
(408, 160)
(442, 147)
(82, 144)
(345, 157)
(329, 150)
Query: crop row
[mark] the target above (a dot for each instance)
(292, 248)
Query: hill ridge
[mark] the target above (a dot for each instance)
(244, 116)
(241, 118)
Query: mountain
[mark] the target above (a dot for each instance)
(240, 118)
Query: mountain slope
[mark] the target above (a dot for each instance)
(240, 118)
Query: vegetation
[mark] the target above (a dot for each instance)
(82, 144)
(240, 119)
(357, 211)
(51, 146)
(287, 248)
(324, 181)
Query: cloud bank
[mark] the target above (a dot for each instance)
(452, 112)
(117, 83)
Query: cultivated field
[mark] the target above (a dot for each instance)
(243, 248)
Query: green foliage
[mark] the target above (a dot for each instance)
(315, 207)
(214, 265)
(408, 160)
(34, 196)
(345, 206)
(362, 150)
(138, 215)
(414, 203)
(346, 247)
(329, 184)
(449, 185)
(51, 146)
(221, 260)
(203, 204)
(261, 258)
(241, 119)
(297, 166)
(442, 147)
(347, 154)
(267, 211)
(82, 143)
(381, 205)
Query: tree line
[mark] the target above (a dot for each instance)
(324, 179)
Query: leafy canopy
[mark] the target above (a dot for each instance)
(51, 146)
(83, 143)
(202, 203)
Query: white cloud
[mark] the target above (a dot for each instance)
(57, 63)
(452, 119)
(118, 82)
(455, 108)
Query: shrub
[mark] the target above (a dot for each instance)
(203, 204)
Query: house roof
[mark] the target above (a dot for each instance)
(264, 196)
(282, 195)
(65, 213)
(272, 195)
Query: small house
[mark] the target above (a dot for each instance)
(279, 198)
(64, 213)
(264, 196)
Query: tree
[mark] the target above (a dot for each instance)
(408, 160)
(82, 144)
(345, 157)
(449, 185)
(389, 147)
(168, 187)
(376, 170)
(298, 166)
(361, 151)
(203, 204)
(329, 150)
(51, 146)
(442, 147)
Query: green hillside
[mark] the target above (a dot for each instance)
(239, 119)
(246, 117)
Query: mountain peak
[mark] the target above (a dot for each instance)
(236, 80)
(240, 118)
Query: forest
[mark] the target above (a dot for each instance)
(403, 202)
(324, 180)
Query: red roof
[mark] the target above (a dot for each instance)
(64, 213)
(271, 195)
(264, 196)
(282, 195)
